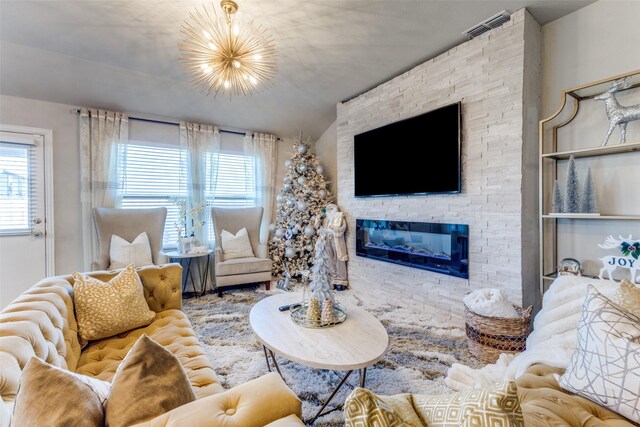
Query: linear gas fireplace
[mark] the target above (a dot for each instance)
(443, 248)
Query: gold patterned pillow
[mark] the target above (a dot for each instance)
(364, 408)
(105, 309)
(628, 297)
(495, 406)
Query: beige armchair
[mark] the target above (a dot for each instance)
(128, 224)
(239, 271)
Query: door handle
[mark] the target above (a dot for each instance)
(37, 220)
(37, 233)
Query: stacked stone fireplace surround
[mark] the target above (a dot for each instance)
(497, 78)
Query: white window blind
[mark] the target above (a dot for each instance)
(151, 174)
(17, 192)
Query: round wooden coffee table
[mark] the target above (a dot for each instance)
(357, 343)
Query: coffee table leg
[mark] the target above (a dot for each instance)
(266, 358)
(363, 376)
(324, 405)
(273, 359)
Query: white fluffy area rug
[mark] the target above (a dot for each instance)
(419, 354)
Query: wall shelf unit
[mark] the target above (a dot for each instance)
(550, 155)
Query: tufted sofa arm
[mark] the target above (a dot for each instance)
(255, 403)
(162, 284)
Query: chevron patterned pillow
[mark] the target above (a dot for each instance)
(496, 406)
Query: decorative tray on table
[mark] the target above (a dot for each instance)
(299, 315)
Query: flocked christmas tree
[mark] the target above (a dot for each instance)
(558, 203)
(588, 201)
(572, 189)
(300, 205)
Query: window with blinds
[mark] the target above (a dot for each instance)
(150, 175)
(17, 192)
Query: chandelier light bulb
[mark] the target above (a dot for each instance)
(223, 58)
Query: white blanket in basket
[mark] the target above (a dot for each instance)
(551, 342)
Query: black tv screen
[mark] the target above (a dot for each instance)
(418, 155)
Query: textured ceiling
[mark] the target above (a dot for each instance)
(124, 54)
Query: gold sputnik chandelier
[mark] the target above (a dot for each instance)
(225, 56)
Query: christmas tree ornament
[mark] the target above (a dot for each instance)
(290, 252)
(287, 163)
(302, 168)
(286, 188)
(322, 194)
(309, 231)
(302, 206)
(302, 180)
(280, 232)
(290, 203)
(320, 170)
(272, 227)
(309, 248)
(302, 148)
(558, 203)
(279, 198)
(572, 189)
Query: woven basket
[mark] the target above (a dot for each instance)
(491, 336)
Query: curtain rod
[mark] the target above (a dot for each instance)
(140, 119)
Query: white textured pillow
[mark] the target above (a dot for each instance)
(123, 253)
(237, 246)
(490, 302)
(605, 366)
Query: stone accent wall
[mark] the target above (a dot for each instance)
(488, 75)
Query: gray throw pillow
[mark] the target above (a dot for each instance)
(605, 366)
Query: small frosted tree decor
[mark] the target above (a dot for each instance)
(320, 287)
(588, 201)
(558, 202)
(572, 189)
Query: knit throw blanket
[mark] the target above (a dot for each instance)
(551, 342)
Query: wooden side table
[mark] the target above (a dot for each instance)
(201, 262)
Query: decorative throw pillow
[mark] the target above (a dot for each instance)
(50, 396)
(123, 253)
(605, 366)
(105, 309)
(497, 405)
(237, 246)
(149, 381)
(364, 408)
(628, 296)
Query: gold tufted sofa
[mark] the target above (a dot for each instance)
(41, 322)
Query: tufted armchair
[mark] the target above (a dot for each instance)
(41, 322)
(128, 224)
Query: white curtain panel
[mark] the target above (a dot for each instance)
(101, 132)
(264, 147)
(202, 143)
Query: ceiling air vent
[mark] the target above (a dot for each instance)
(493, 22)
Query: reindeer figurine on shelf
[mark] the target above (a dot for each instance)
(630, 259)
(618, 115)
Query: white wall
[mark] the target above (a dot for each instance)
(326, 149)
(596, 42)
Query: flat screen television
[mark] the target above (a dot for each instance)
(418, 155)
